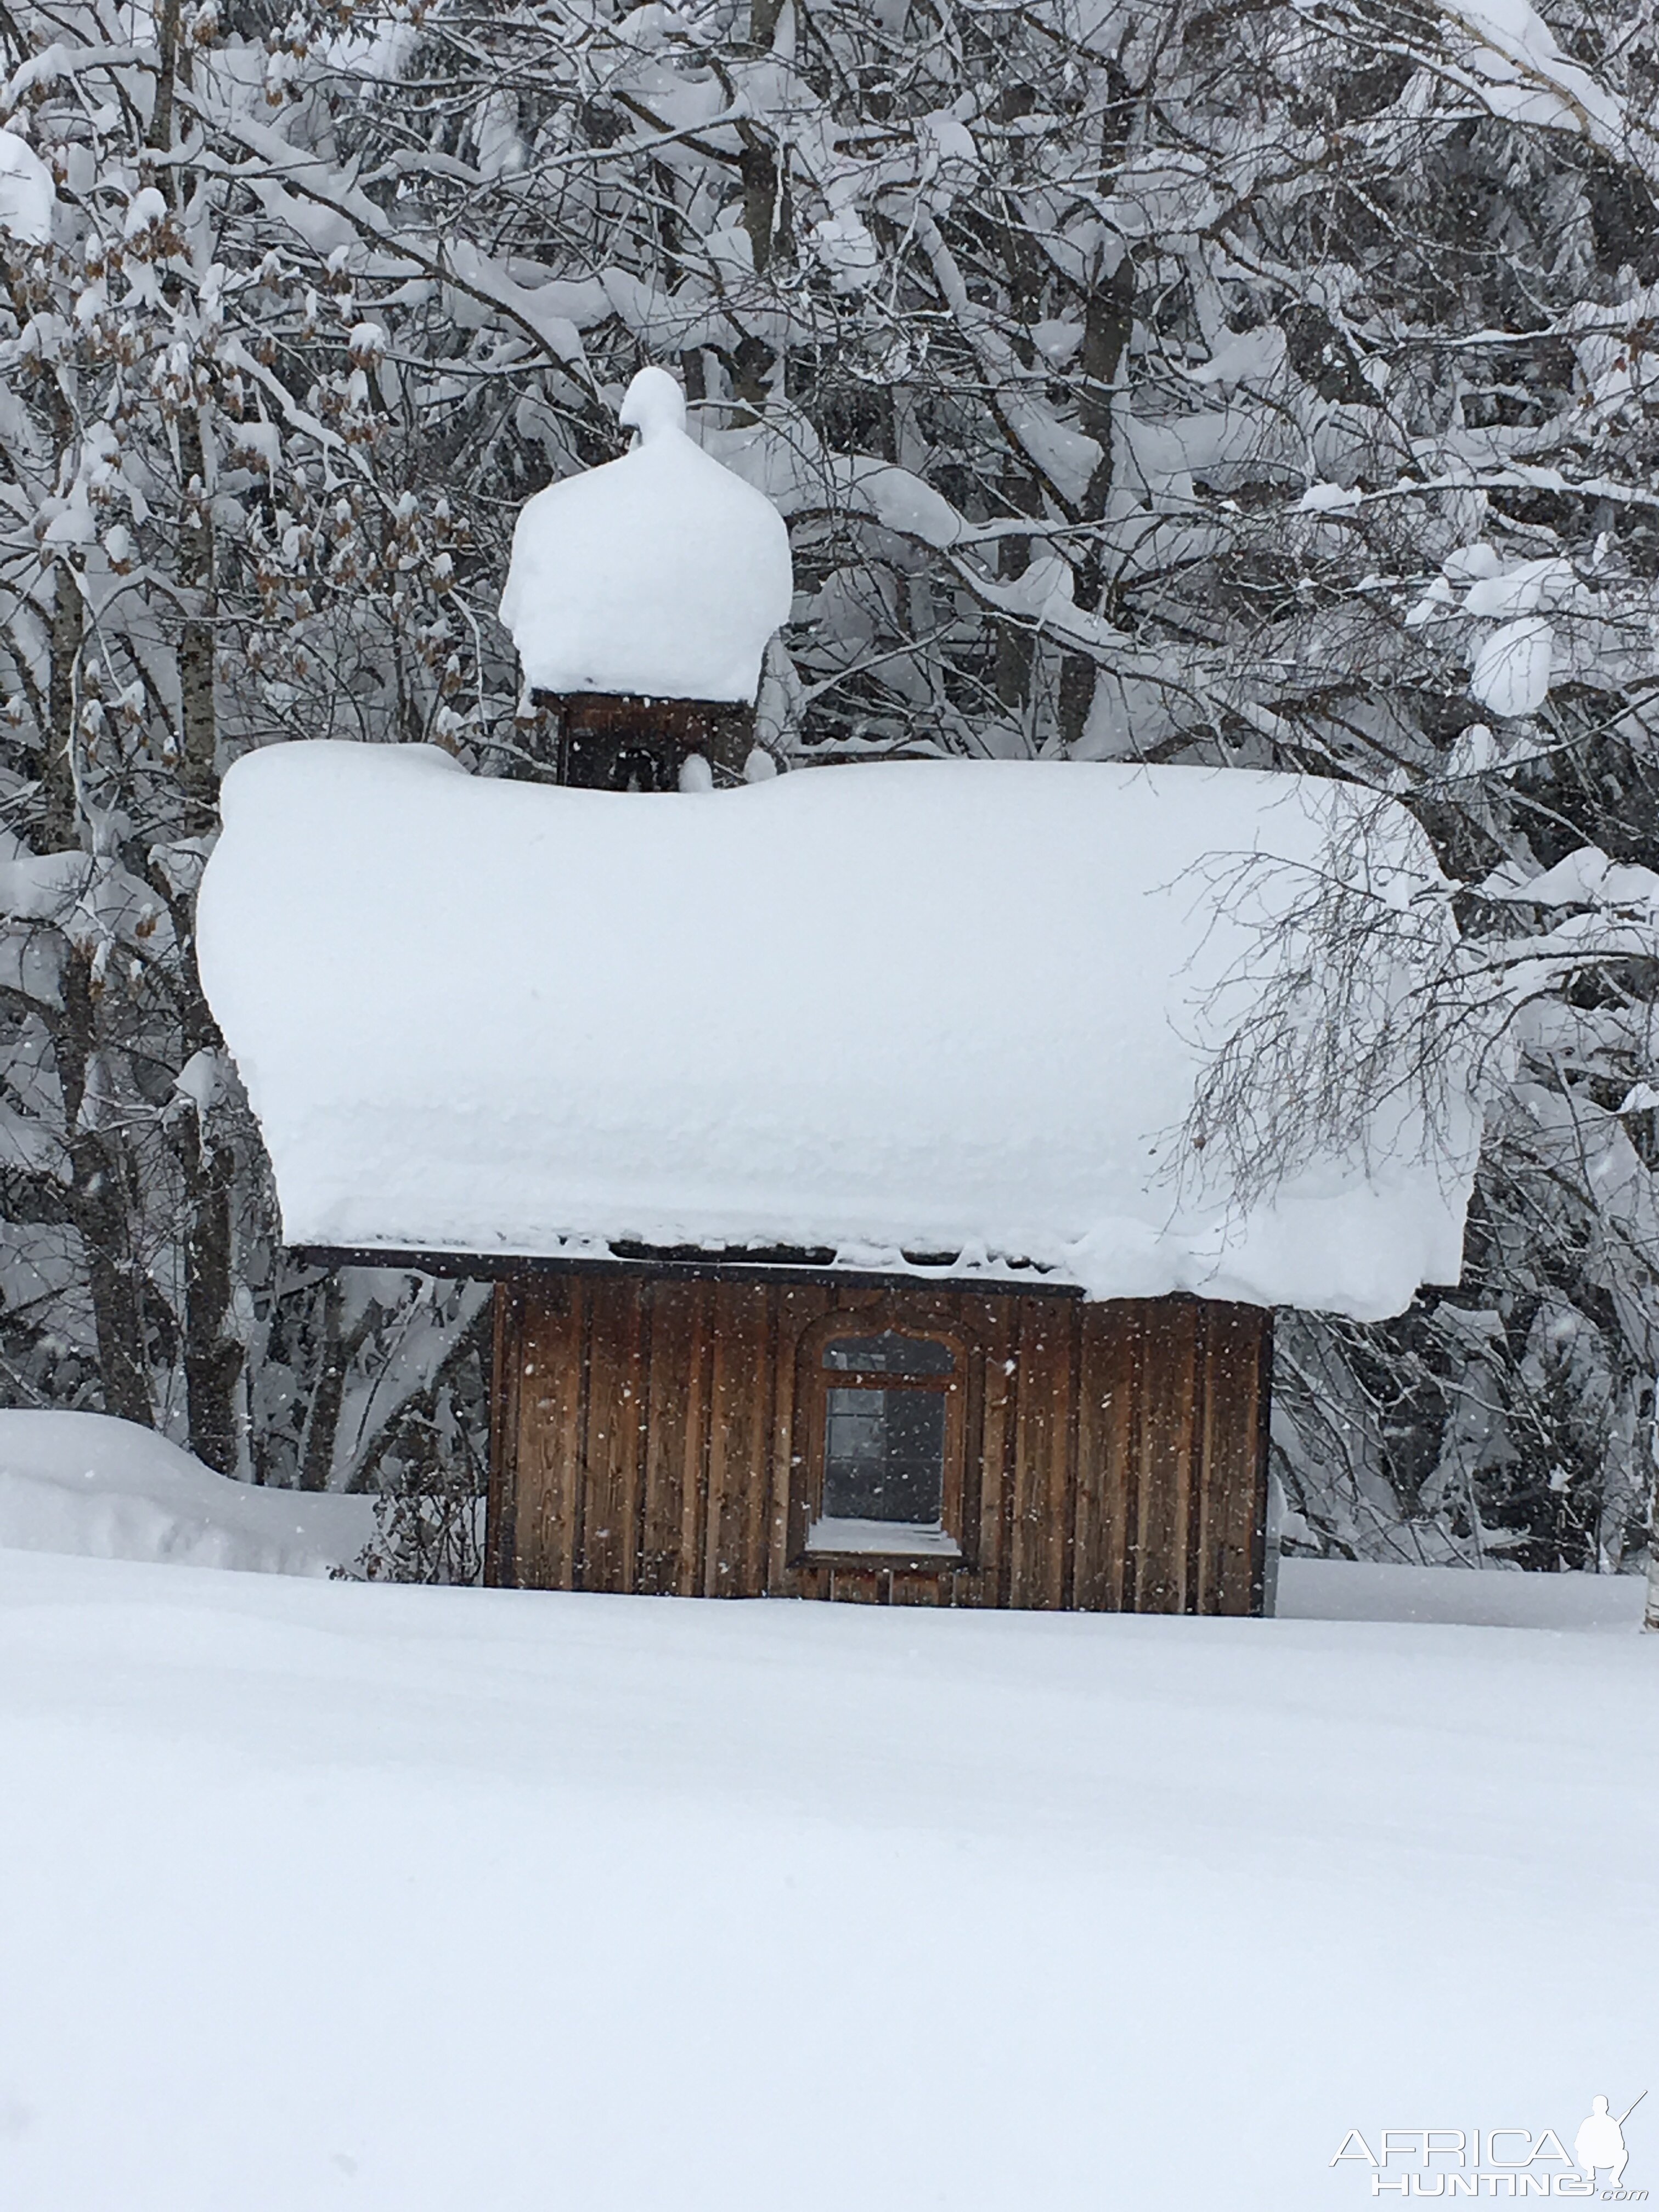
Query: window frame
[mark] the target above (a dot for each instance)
(813, 1382)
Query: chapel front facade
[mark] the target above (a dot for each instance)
(883, 1442)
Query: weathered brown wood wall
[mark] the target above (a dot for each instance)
(643, 1440)
(606, 742)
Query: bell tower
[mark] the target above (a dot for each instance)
(640, 597)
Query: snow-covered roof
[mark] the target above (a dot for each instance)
(660, 574)
(927, 1008)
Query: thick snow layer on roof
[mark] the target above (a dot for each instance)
(661, 574)
(890, 1009)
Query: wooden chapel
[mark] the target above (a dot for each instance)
(821, 1132)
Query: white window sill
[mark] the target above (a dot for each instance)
(893, 1540)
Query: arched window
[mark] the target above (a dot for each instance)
(883, 1411)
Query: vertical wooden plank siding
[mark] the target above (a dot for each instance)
(697, 1378)
(739, 1458)
(856, 1585)
(1252, 1509)
(1041, 1530)
(670, 1417)
(611, 1544)
(1164, 1456)
(799, 1305)
(993, 1323)
(551, 1445)
(1130, 1349)
(1107, 1526)
(909, 1588)
(507, 1364)
(1240, 1367)
(644, 1440)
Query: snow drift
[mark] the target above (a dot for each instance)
(100, 1488)
(929, 1016)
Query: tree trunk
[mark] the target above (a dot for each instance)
(1015, 643)
(214, 1356)
(58, 829)
(175, 68)
(199, 735)
(317, 1462)
(1109, 325)
(98, 1205)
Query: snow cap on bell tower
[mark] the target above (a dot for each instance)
(659, 575)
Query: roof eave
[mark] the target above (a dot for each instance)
(684, 1265)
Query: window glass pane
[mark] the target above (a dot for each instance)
(890, 1353)
(884, 1457)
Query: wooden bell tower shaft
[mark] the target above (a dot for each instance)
(606, 741)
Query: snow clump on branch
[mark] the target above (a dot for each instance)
(27, 192)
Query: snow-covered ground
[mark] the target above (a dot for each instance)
(1338, 1589)
(327, 1894)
